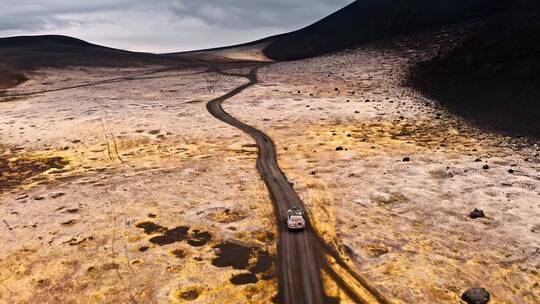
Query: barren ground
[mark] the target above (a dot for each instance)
(131, 191)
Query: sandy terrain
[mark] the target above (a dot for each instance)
(106, 188)
(100, 164)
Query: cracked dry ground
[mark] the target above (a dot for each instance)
(131, 191)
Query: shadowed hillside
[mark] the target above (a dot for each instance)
(25, 53)
(51, 50)
(368, 20)
(493, 77)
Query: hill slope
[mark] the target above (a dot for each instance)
(368, 20)
(28, 52)
(492, 78)
(22, 54)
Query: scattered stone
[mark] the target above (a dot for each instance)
(478, 160)
(199, 238)
(72, 210)
(384, 198)
(406, 159)
(56, 195)
(476, 213)
(485, 167)
(179, 253)
(510, 171)
(226, 215)
(339, 148)
(69, 222)
(476, 296)
(189, 294)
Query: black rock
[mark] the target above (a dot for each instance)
(340, 148)
(485, 167)
(476, 296)
(510, 171)
(406, 159)
(477, 213)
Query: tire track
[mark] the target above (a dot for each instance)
(301, 256)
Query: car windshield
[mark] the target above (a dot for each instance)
(296, 218)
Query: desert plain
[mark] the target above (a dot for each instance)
(117, 185)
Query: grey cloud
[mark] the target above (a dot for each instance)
(242, 14)
(162, 25)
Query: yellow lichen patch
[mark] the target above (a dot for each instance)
(320, 204)
(263, 236)
(332, 290)
(395, 137)
(358, 287)
(226, 215)
(16, 168)
(142, 151)
(182, 294)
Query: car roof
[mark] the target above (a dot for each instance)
(296, 211)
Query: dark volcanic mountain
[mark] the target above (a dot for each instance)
(493, 77)
(25, 52)
(368, 20)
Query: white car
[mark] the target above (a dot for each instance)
(295, 219)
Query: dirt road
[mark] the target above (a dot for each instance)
(301, 256)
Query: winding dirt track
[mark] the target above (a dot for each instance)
(301, 256)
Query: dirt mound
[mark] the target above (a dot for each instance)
(493, 77)
(368, 20)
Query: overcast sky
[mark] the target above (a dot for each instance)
(162, 25)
